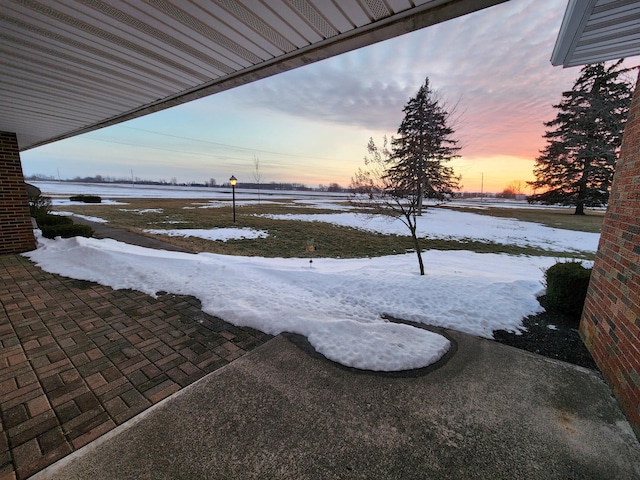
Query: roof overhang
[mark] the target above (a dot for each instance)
(73, 66)
(595, 31)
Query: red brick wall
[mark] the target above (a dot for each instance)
(16, 231)
(610, 323)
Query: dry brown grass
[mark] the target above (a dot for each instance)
(289, 238)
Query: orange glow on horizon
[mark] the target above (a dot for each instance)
(493, 174)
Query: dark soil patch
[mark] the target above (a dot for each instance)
(552, 334)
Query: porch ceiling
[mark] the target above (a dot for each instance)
(595, 31)
(72, 66)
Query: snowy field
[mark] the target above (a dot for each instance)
(338, 304)
(118, 191)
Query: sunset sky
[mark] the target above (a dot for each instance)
(312, 125)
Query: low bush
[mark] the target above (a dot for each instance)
(39, 205)
(50, 220)
(567, 284)
(66, 231)
(86, 198)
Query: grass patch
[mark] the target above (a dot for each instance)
(289, 238)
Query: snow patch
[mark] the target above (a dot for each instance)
(337, 304)
(222, 234)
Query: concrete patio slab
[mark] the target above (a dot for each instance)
(491, 411)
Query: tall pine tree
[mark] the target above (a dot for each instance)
(423, 147)
(576, 166)
(394, 181)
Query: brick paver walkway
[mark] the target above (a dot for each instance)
(78, 359)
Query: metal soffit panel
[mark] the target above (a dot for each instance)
(598, 30)
(72, 66)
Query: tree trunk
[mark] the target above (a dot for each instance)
(582, 187)
(419, 206)
(416, 243)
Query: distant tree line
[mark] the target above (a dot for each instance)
(108, 179)
(333, 187)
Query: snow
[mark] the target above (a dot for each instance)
(141, 211)
(239, 203)
(222, 234)
(450, 224)
(340, 305)
(337, 304)
(486, 203)
(113, 190)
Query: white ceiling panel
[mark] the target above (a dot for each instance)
(73, 66)
(596, 31)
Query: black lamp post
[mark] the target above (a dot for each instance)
(233, 180)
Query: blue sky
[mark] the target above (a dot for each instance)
(312, 124)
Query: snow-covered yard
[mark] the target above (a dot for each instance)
(339, 304)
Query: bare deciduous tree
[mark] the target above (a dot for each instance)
(515, 187)
(257, 174)
(376, 192)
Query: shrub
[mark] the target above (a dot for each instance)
(66, 231)
(50, 220)
(39, 205)
(86, 198)
(567, 284)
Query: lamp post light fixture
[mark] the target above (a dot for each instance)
(233, 180)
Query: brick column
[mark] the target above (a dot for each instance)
(16, 231)
(610, 323)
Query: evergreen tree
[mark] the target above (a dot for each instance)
(423, 147)
(395, 180)
(576, 166)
